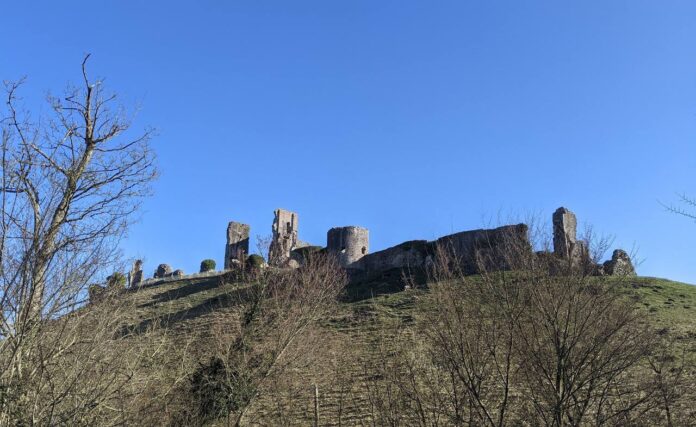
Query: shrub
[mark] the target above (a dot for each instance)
(216, 389)
(255, 261)
(95, 292)
(207, 265)
(116, 281)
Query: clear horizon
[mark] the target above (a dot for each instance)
(413, 120)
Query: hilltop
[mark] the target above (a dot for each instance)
(357, 336)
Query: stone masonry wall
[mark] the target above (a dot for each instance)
(502, 248)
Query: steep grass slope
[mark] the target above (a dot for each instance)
(358, 336)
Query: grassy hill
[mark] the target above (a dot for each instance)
(337, 354)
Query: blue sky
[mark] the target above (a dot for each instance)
(414, 119)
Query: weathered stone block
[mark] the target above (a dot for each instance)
(163, 270)
(619, 265)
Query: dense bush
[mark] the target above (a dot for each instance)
(207, 265)
(255, 261)
(215, 389)
(116, 280)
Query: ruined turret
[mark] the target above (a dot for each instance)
(349, 243)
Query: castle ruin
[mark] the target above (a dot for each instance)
(502, 248)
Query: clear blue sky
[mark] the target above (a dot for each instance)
(413, 119)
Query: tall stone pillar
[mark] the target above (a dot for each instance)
(237, 242)
(564, 233)
(348, 243)
(136, 274)
(285, 224)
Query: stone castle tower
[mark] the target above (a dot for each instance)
(285, 226)
(349, 243)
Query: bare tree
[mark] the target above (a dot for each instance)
(70, 185)
(271, 314)
(543, 342)
(685, 206)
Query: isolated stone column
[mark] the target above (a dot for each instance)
(237, 242)
(349, 243)
(136, 274)
(285, 224)
(564, 233)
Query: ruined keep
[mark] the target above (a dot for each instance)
(284, 240)
(348, 243)
(237, 245)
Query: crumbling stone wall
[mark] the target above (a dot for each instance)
(349, 244)
(407, 255)
(502, 248)
(284, 240)
(237, 244)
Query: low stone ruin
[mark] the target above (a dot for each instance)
(619, 265)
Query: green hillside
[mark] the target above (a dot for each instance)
(343, 347)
